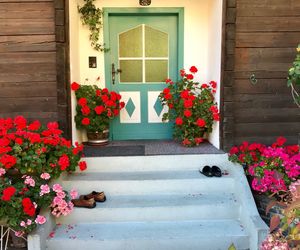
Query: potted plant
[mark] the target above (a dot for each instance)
(192, 107)
(95, 108)
(31, 158)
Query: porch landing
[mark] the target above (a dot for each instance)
(148, 147)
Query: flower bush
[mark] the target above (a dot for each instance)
(191, 106)
(30, 157)
(285, 230)
(273, 168)
(95, 107)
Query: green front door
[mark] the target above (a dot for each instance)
(145, 48)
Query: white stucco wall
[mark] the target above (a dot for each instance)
(202, 44)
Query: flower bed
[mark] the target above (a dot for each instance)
(32, 157)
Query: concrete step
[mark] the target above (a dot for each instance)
(167, 235)
(158, 207)
(149, 182)
(154, 163)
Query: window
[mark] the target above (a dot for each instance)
(144, 55)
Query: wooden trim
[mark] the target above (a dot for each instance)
(227, 74)
(63, 65)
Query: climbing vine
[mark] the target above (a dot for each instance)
(92, 17)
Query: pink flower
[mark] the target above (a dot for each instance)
(19, 233)
(23, 224)
(56, 201)
(2, 171)
(29, 181)
(61, 194)
(45, 189)
(40, 219)
(73, 193)
(45, 176)
(57, 188)
(29, 222)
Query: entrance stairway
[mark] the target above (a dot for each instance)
(158, 203)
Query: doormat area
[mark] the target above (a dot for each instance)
(147, 147)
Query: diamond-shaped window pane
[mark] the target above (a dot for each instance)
(130, 107)
(158, 107)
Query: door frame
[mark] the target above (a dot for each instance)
(179, 12)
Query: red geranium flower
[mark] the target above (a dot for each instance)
(19, 141)
(8, 161)
(216, 117)
(105, 91)
(20, 122)
(98, 92)
(82, 101)
(189, 77)
(184, 94)
(63, 162)
(178, 121)
(198, 140)
(193, 69)
(36, 125)
(166, 91)
(8, 193)
(201, 123)
(104, 98)
(116, 112)
(188, 103)
(168, 96)
(213, 84)
(85, 121)
(187, 113)
(204, 86)
(82, 165)
(186, 142)
(99, 110)
(75, 86)
(86, 110)
(28, 207)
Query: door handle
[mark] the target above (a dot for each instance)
(114, 72)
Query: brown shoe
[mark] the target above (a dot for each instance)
(97, 196)
(87, 203)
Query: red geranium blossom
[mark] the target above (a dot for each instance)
(187, 113)
(198, 140)
(178, 121)
(20, 122)
(188, 103)
(189, 77)
(168, 96)
(36, 125)
(185, 94)
(75, 86)
(64, 162)
(201, 123)
(86, 110)
(8, 161)
(85, 121)
(186, 142)
(82, 165)
(82, 101)
(166, 91)
(193, 69)
(213, 84)
(28, 207)
(99, 110)
(8, 193)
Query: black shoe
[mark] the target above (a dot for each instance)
(216, 171)
(207, 171)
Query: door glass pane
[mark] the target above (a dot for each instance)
(156, 70)
(132, 71)
(130, 43)
(156, 43)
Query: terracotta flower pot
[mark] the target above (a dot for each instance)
(99, 138)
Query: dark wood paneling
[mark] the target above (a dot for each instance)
(28, 89)
(27, 43)
(264, 8)
(267, 24)
(26, 27)
(268, 40)
(28, 75)
(38, 10)
(266, 34)
(33, 104)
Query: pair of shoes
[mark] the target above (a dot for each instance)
(89, 200)
(211, 171)
(97, 196)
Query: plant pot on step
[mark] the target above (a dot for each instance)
(98, 138)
